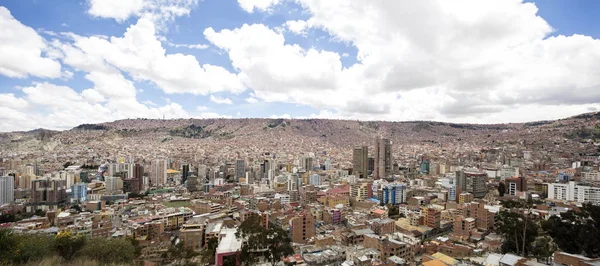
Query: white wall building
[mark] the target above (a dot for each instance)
(7, 189)
(572, 192)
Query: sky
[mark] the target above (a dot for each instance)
(66, 63)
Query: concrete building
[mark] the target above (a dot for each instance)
(113, 184)
(507, 171)
(7, 189)
(240, 169)
(383, 158)
(465, 197)
(47, 193)
(394, 194)
(361, 191)
(159, 172)
(572, 192)
(472, 181)
(433, 218)
(315, 180)
(515, 185)
(302, 227)
(591, 178)
(79, 192)
(360, 161)
(229, 246)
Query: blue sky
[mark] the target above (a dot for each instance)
(431, 61)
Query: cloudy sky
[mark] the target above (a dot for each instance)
(64, 63)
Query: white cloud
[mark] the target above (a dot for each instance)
(212, 115)
(251, 100)
(220, 100)
(93, 96)
(149, 103)
(123, 10)
(296, 26)
(201, 108)
(21, 49)
(140, 53)
(189, 46)
(260, 5)
(9, 100)
(117, 9)
(286, 116)
(421, 60)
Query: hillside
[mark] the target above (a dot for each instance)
(207, 135)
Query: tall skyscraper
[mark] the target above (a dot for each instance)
(240, 169)
(7, 189)
(383, 158)
(185, 172)
(360, 161)
(159, 169)
(307, 163)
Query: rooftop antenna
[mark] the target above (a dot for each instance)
(163, 116)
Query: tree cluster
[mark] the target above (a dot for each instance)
(271, 243)
(19, 249)
(576, 232)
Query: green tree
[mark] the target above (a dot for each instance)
(32, 247)
(393, 210)
(136, 246)
(66, 244)
(272, 243)
(208, 254)
(8, 244)
(501, 189)
(108, 251)
(576, 232)
(543, 248)
(519, 232)
(178, 254)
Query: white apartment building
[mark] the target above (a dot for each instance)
(572, 192)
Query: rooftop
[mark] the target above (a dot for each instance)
(229, 243)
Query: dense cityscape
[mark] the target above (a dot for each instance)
(300, 192)
(299, 133)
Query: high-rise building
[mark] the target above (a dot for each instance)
(79, 192)
(360, 161)
(371, 167)
(240, 169)
(159, 169)
(472, 181)
(48, 191)
(394, 194)
(113, 184)
(307, 163)
(185, 171)
(315, 180)
(7, 189)
(383, 158)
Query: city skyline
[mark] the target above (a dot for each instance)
(110, 60)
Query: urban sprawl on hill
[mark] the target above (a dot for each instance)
(302, 192)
